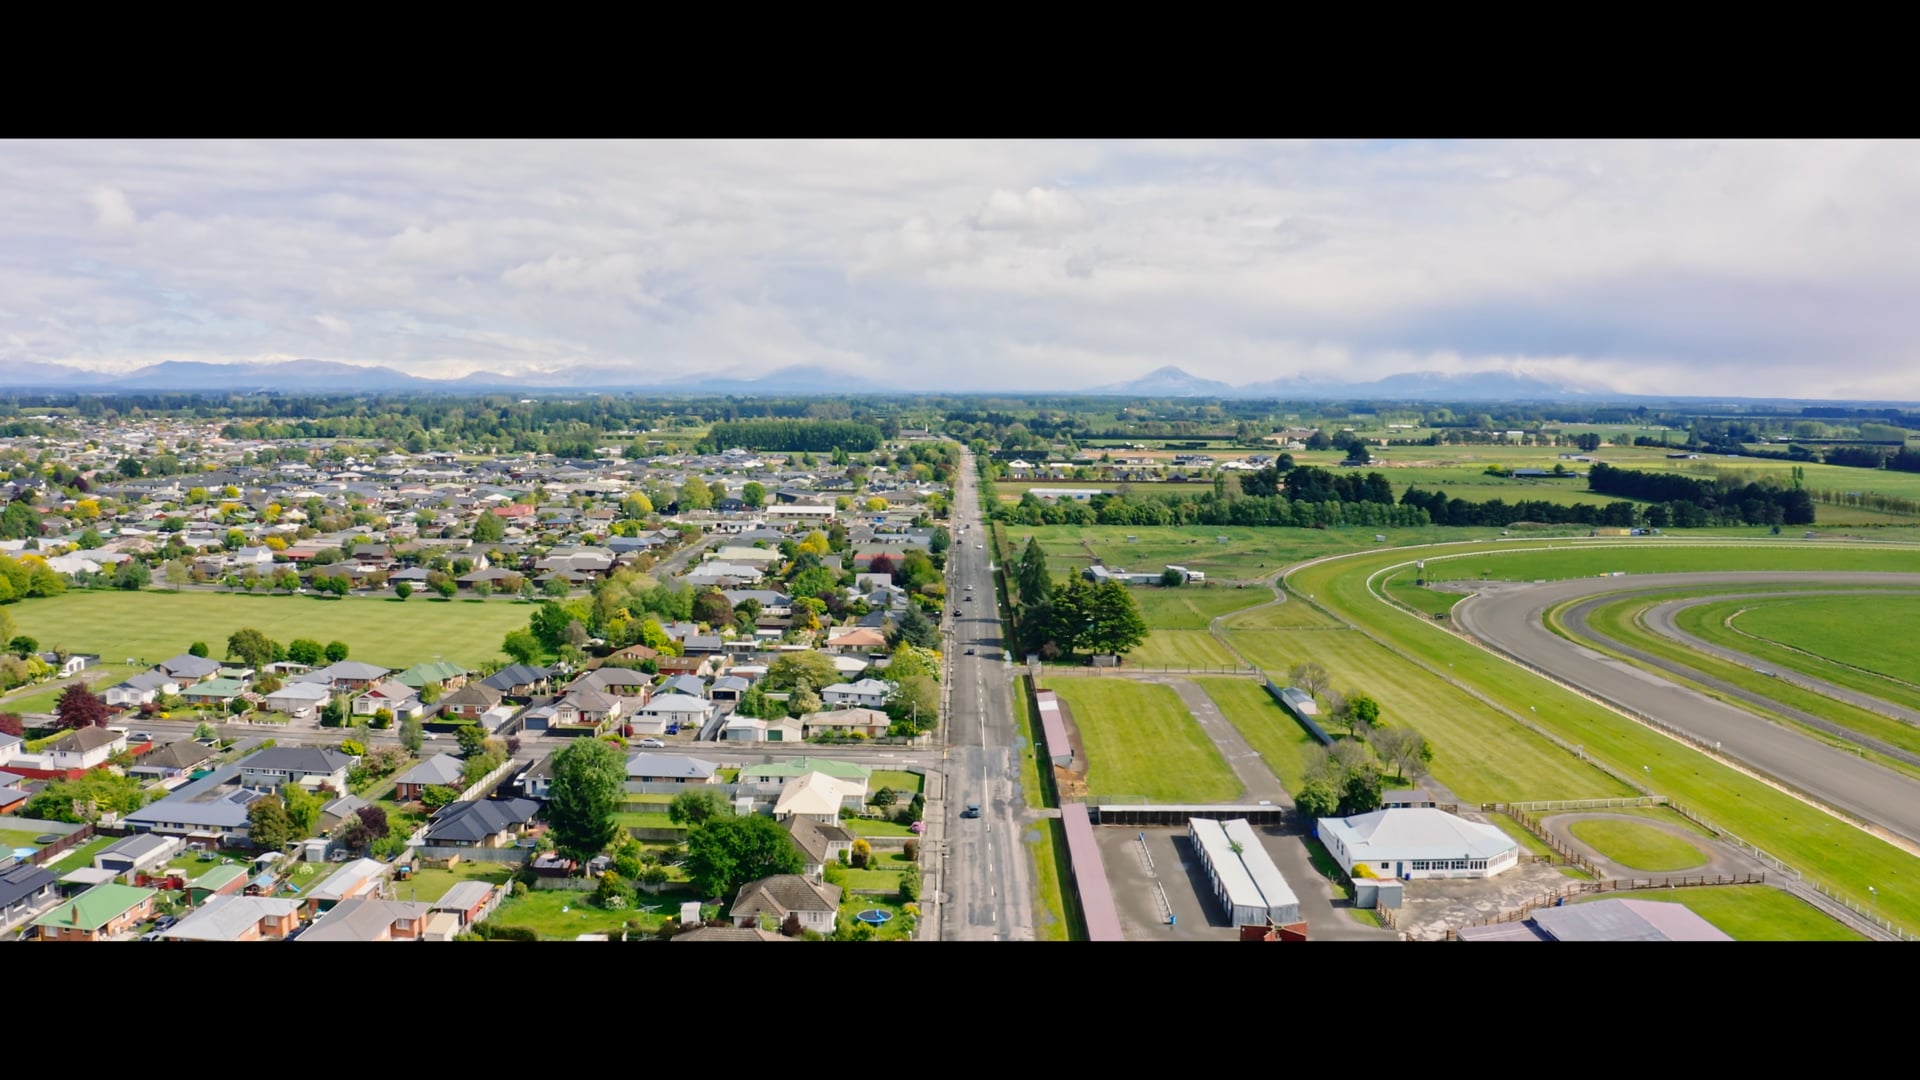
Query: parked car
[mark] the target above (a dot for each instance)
(972, 810)
(652, 743)
(969, 652)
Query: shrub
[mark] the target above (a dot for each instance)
(519, 888)
(912, 851)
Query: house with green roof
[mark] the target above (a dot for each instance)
(222, 880)
(449, 676)
(214, 691)
(781, 771)
(99, 914)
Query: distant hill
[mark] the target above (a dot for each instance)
(1168, 381)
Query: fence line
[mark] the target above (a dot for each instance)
(1582, 888)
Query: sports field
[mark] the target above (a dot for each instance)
(1140, 740)
(155, 625)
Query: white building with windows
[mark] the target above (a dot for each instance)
(1417, 842)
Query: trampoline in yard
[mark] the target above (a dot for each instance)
(875, 917)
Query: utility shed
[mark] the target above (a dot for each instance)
(1232, 885)
(1283, 907)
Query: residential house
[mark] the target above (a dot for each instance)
(187, 669)
(469, 902)
(491, 823)
(855, 640)
(176, 758)
(211, 811)
(25, 890)
(684, 684)
(337, 812)
(867, 693)
(370, 919)
(587, 707)
(9, 747)
(448, 676)
(141, 689)
(350, 676)
(871, 723)
(779, 772)
(703, 645)
(700, 667)
(680, 711)
(519, 680)
(229, 917)
(310, 766)
(728, 688)
(102, 913)
(819, 843)
(647, 768)
(771, 901)
(214, 693)
(753, 729)
(440, 770)
(14, 791)
(818, 796)
(82, 749)
(635, 652)
(225, 879)
(299, 700)
(361, 878)
(141, 851)
(392, 695)
(537, 781)
(619, 682)
(468, 702)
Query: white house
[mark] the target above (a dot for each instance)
(1417, 842)
(396, 697)
(300, 701)
(140, 689)
(83, 748)
(773, 900)
(866, 694)
(682, 709)
(753, 729)
(817, 796)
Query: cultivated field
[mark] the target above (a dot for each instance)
(1140, 740)
(156, 625)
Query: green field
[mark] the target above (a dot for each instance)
(1182, 649)
(1661, 555)
(1192, 607)
(1821, 846)
(563, 915)
(154, 626)
(1862, 632)
(905, 784)
(1248, 554)
(1825, 658)
(1280, 740)
(428, 886)
(1140, 740)
(1747, 912)
(1534, 845)
(1636, 846)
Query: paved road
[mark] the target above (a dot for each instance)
(984, 875)
(1511, 618)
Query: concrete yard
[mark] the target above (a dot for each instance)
(1198, 916)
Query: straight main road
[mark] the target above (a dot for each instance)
(1512, 617)
(984, 882)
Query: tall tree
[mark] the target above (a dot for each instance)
(79, 707)
(712, 607)
(695, 806)
(488, 529)
(915, 629)
(1115, 624)
(336, 651)
(727, 852)
(251, 647)
(306, 651)
(1036, 583)
(268, 825)
(588, 778)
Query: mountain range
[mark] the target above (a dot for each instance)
(332, 377)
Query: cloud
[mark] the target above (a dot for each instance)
(1678, 267)
(111, 209)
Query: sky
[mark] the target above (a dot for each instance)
(1687, 268)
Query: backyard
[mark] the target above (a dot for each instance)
(563, 914)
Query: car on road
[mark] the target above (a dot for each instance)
(972, 810)
(652, 743)
(969, 652)
(979, 545)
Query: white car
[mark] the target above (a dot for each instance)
(652, 744)
(979, 546)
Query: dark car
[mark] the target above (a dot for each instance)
(969, 652)
(972, 810)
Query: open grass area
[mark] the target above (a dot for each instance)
(1248, 553)
(1840, 628)
(1401, 587)
(563, 915)
(428, 886)
(899, 928)
(885, 872)
(1819, 845)
(1747, 912)
(644, 819)
(1662, 555)
(41, 699)
(1725, 623)
(866, 826)
(1035, 786)
(156, 625)
(1140, 740)
(1192, 607)
(1182, 649)
(82, 856)
(908, 784)
(1272, 731)
(1290, 614)
(19, 838)
(1636, 846)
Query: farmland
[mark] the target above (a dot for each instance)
(155, 625)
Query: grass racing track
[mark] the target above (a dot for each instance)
(1531, 717)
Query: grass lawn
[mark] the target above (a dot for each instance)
(1034, 786)
(1747, 912)
(1831, 626)
(865, 826)
(907, 783)
(1192, 607)
(884, 874)
(1732, 624)
(155, 625)
(1291, 614)
(899, 928)
(644, 819)
(1141, 741)
(42, 700)
(1282, 743)
(1182, 649)
(1534, 845)
(563, 915)
(1638, 847)
(430, 885)
(19, 838)
(1824, 848)
(81, 856)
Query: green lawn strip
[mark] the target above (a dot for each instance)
(898, 928)
(155, 625)
(1294, 613)
(1852, 629)
(907, 784)
(1140, 740)
(866, 826)
(1620, 621)
(81, 857)
(1035, 786)
(1056, 905)
(1747, 912)
(96, 678)
(1822, 847)
(644, 819)
(1181, 649)
(870, 879)
(1659, 555)
(1366, 917)
(1479, 753)
(1401, 587)
(1281, 742)
(1636, 846)
(1192, 607)
(564, 914)
(428, 885)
